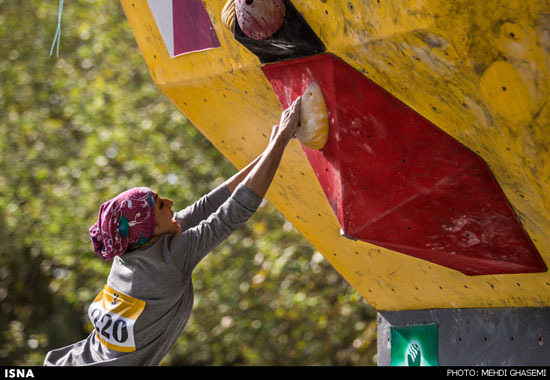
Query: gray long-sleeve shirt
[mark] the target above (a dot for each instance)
(148, 297)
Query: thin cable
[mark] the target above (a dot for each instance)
(57, 36)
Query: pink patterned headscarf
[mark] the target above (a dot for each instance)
(128, 220)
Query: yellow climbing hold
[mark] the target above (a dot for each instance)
(228, 15)
(505, 91)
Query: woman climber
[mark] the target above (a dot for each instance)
(148, 297)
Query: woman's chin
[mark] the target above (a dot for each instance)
(177, 227)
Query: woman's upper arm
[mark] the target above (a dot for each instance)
(193, 244)
(201, 209)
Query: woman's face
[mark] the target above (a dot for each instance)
(164, 222)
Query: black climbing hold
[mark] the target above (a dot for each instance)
(294, 39)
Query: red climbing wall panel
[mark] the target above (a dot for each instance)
(395, 180)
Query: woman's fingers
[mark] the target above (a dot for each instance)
(289, 121)
(292, 113)
(295, 113)
(297, 102)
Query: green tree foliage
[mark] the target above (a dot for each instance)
(77, 130)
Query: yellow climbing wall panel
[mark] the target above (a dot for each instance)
(480, 71)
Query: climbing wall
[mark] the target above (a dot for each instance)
(433, 190)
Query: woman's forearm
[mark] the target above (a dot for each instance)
(259, 174)
(236, 179)
(262, 173)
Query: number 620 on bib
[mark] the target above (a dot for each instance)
(113, 315)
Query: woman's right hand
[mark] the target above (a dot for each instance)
(289, 121)
(261, 175)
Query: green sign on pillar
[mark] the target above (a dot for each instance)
(414, 345)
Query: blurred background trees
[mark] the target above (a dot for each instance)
(77, 130)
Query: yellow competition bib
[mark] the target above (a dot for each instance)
(114, 315)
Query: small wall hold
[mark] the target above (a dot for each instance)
(313, 128)
(260, 19)
(507, 92)
(228, 15)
